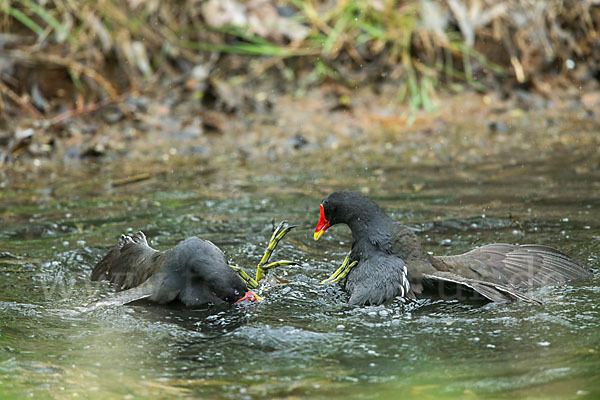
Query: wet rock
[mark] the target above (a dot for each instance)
(196, 150)
(200, 72)
(38, 99)
(72, 153)
(343, 104)
(297, 142)
(191, 130)
(498, 126)
(332, 142)
(529, 100)
(89, 129)
(197, 78)
(229, 97)
(24, 133)
(22, 139)
(498, 109)
(213, 122)
(591, 99)
(95, 150)
(137, 103)
(272, 154)
(355, 131)
(588, 114)
(244, 153)
(261, 103)
(112, 115)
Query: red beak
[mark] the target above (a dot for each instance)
(251, 297)
(322, 225)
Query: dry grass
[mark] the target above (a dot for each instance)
(87, 51)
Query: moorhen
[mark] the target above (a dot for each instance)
(387, 260)
(194, 272)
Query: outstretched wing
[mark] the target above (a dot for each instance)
(449, 285)
(128, 264)
(513, 266)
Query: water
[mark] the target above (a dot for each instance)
(303, 341)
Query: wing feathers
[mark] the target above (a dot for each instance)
(491, 291)
(521, 266)
(129, 263)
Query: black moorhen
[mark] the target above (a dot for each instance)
(387, 261)
(194, 272)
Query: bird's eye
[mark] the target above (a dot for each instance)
(235, 292)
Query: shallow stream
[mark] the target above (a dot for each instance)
(303, 341)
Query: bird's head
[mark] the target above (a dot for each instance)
(345, 207)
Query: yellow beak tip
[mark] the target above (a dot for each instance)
(318, 234)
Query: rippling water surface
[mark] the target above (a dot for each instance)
(303, 341)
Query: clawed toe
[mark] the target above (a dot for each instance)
(139, 237)
(282, 229)
(123, 240)
(252, 283)
(341, 272)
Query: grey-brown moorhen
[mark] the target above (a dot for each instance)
(194, 272)
(387, 260)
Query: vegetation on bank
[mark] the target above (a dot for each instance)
(62, 55)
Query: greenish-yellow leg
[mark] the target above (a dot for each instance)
(341, 272)
(282, 229)
(248, 280)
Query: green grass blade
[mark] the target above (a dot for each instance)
(256, 49)
(49, 19)
(25, 20)
(333, 37)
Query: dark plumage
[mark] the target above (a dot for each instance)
(391, 261)
(194, 272)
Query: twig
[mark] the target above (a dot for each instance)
(130, 179)
(89, 108)
(21, 101)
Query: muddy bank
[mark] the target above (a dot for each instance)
(267, 80)
(322, 127)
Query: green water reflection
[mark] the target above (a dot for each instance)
(303, 341)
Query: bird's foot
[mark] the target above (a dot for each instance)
(123, 240)
(138, 238)
(282, 229)
(341, 272)
(252, 283)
